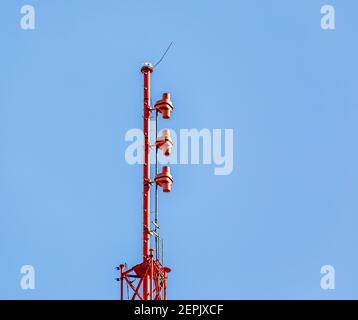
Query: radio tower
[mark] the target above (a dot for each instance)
(148, 280)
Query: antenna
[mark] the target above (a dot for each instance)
(150, 276)
(161, 59)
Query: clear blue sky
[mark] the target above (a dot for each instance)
(70, 205)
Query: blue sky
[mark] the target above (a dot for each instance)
(70, 205)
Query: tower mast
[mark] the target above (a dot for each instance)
(146, 70)
(150, 274)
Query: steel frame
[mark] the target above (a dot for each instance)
(151, 275)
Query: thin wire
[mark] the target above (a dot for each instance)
(166, 51)
(162, 252)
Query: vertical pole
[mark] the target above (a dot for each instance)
(146, 70)
(156, 190)
(121, 280)
(165, 286)
(151, 274)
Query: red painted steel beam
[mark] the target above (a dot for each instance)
(146, 69)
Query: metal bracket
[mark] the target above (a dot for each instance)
(154, 233)
(156, 225)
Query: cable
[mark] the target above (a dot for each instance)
(166, 51)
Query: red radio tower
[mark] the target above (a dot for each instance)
(148, 280)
